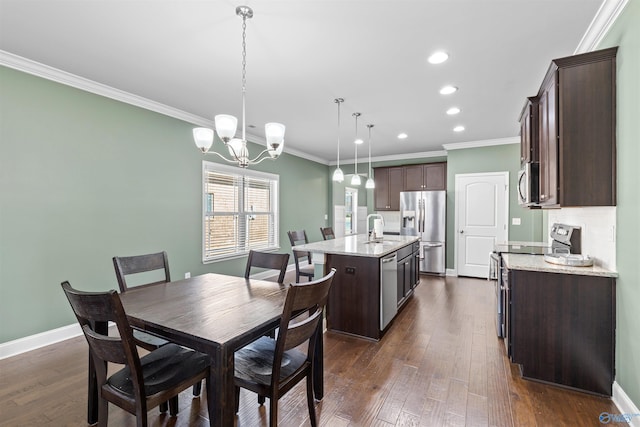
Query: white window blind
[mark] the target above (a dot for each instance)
(240, 211)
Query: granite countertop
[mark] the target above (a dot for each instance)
(357, 245)
(537, 263)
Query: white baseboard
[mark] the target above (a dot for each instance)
(451, 272)
(625, 405)
(32, 342)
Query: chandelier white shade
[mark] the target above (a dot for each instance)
(338, 175)
(226, 125)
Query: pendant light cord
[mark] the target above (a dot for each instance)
(244, 74)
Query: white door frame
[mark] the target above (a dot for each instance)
(457, 212)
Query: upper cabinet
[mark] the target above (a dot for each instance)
(388, 187)
(576, 126)
(430, 176)
(391, 181)
(529, 131)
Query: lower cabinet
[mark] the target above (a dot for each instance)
(408, 271)
(561, 328)
(354, 299)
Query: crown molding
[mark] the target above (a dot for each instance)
(408, 156)
(600, 25)
(482, 143)
(47, 72)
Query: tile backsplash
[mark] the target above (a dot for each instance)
(598, 231)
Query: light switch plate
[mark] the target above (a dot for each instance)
(515, 221)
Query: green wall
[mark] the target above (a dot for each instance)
(625, 33)
(497, 158)
(84, 178)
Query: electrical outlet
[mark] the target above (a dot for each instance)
(326, 217)
(187, 275)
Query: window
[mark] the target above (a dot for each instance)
(350, 210)
(240, 211)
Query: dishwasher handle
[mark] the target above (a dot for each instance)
(393, 258)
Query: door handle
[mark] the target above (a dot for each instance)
(461, 231)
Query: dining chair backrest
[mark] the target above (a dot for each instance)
(128, 265)
(91, 307)
(143, 383)
(327, 233)
(259, 366)
(301, 316)
(268, 260)
(299, 237)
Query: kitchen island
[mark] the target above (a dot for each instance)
(364, 295)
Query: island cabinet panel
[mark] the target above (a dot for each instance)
(354, 299)
(562, 328)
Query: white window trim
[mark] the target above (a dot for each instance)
(234, 170)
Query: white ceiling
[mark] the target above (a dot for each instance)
(301, 54)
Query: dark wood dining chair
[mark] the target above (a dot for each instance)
(271, 367)
(268, 260)
(302, 268)
(327, 233)
(126, 266)
(143, 383)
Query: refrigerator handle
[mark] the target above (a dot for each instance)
(420, 212)
(423, 214)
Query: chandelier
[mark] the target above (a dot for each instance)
(226, 124)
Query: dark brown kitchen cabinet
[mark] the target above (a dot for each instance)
(529, 143)
(548, 141)
(561, 328)
(389, 183)
(577, 127)
(430, 176)
(354, 300)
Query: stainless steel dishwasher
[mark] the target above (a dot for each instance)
(388, 289)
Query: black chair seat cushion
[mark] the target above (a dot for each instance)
(148, 339)
(254, 362)
(307, 269)
(162, 369)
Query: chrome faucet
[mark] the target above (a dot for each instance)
(372, 233)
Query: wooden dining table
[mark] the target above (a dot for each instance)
(215, 314)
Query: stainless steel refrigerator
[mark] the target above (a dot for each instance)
(423, 213)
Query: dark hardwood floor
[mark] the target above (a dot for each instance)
(440, 363)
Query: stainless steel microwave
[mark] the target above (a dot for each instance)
(529, 184)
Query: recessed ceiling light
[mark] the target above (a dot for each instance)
(402, 135)
(458, 128)
(438, 57)
(453, 110)
(358, 141)
(448, 90)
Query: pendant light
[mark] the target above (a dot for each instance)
(370, 182)
(356, 178)
(226, 124)
(338, 175)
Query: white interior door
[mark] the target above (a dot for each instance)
(482, 205)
